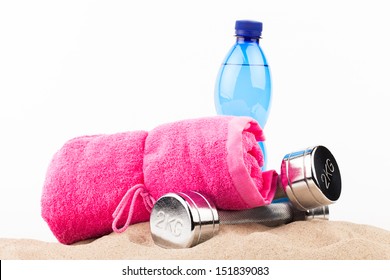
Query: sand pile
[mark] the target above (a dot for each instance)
(299, 240)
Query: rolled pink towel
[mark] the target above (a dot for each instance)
(104, 183)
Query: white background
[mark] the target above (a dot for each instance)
(70, 68)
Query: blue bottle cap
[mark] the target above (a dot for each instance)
(249, 28)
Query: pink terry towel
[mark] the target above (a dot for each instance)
(104, 183)
(86, 180)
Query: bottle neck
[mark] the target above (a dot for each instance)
(242, 39)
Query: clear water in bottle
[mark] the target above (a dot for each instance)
(243, 86)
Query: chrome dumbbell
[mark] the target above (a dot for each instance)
(309, 178)
(183, 220)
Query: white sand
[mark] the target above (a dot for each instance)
(298, 240)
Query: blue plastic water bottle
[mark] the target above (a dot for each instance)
(243, 86)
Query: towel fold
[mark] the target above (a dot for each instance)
(217, 156)
(103, 183)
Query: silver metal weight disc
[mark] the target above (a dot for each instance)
(311, 178)
(183, 220)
